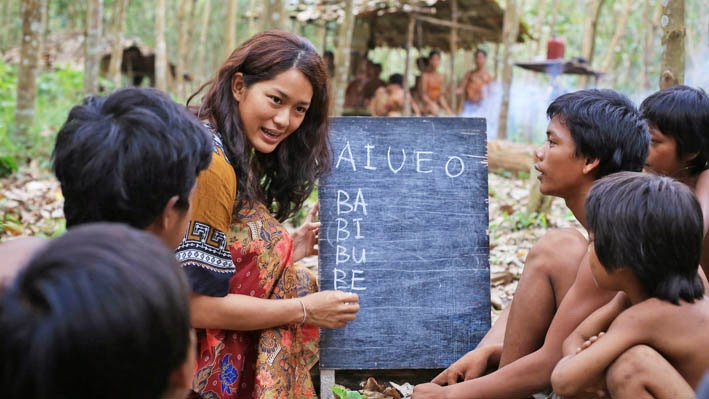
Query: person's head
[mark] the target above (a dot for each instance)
(100, 312)
(480, 58)
(269, 101)
(591, 134)
(434, 59)
(396, 79)
(678, 118)
(648, 227)
(131, 157)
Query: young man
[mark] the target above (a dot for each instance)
(475, 86)
(591, 133)
(131, 157)
(100, 312)
(646, 240)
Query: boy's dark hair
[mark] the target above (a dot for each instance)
(432, 53)
(481, 51)
(681, 112)
(604, 125)
(120, 158)
(651, 225)
(100, 312)
(396, 79)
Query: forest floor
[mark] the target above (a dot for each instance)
(31, 204)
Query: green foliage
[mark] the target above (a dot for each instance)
(8, 165)
(519, 220)
(344, 393)
(57, 92)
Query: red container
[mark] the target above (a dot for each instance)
(555, 48)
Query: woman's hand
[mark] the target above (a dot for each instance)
(330, 309)
(306, 237)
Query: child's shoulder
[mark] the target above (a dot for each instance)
(662, 313)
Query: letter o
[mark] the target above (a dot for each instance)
(462, 166)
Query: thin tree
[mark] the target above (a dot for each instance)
(609, 60)
(160, 46)
(673, 36)
(184, 23)
(510, 29)
(342, 58)
(588, 44)
(31, 11)
(206, 11)
(92, 46)
(651, 17)
(274, 15)
(118, 27)
(230, 42)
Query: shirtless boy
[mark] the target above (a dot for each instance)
(591, 134)
(645, 241)
(475, 86)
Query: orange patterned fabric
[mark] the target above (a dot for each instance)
(271, 363)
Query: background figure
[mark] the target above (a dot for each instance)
(389, 100)
(432, 91)
(100, 312)
(256, 312)
(479, 94)
(373, 83)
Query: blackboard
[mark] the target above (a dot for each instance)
(404, 217)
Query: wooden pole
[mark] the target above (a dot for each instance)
(453, 51)
(407, 65)
(673, 35)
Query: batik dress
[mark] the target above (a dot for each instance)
(244, 250)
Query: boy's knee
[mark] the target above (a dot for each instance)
(630, 367)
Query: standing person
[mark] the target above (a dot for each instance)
(267, 107)
(646, 241)
(475, 87)
(432, 87)
(591, 134)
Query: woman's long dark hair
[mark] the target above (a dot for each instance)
(284, 178)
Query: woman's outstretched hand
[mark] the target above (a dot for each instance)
(330, 309)
(306, 237)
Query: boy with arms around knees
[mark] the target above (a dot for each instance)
(591, 133)
(646, 236)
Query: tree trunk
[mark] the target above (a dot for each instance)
(651, 19)
(160, 46)
(119, 24)
(31, 11)
(206, 68)
(274, 15)
(609, 59)
(541, 13)
(184, 22)
(673, 34)
(252, 17)
(588, 44)
(453, 50)
(509, 36)
(92, 47)
(42, 53)
(342, 58)
(230, 42)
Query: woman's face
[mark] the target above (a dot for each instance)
(271, 110)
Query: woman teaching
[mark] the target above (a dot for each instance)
(256, 314)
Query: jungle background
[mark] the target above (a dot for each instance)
(55, 52)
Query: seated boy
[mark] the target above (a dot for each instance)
(645, 241)
(100, 312)
(131, 157)
(591, 133)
